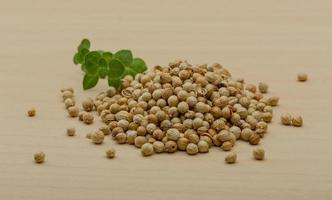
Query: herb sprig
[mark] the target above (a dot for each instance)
(104, 64)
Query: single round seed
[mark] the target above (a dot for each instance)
(88, 105)
(39, 157)
(97, 137)
(147, 149)
(71, 131)
(259, 154)
(110, 152)
(182, 143)
(203, 146)
(192, 149)
(254, 139)
(158, 147)
(32, 112)
(170, 146)
(263, 87)
(88, 118)
(69, 102)
(173, 134)
(140, 140)
(286, 119)
(121, 138)
(67, 94)
(227, 146)
(302, 77)
(231, 158)
(297, 121)
(73, 111)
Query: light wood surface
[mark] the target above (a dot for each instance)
(267, 41)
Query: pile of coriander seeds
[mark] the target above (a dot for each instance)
(181, 107)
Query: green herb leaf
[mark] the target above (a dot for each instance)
(138, 65)
(115, 82)
(116, 68)
(92, 62)
(107, 56)
(77, 58)
(125, 56)
(84, 52)
(129, 71)
(89, 81)
(103, 68)
(85, 44)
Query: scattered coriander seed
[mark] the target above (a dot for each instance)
(263, 87)
(69, 102)
(110, 152)
(67, 94)
(39, 157)
(273, 101)
(259, 154)
(88, 118)
(173, 134)
(73, 111)
(231, 158)
(182, 143)
(32, 112)
(97, 137)
(88, 105)
(71, 131)
(67, 89)
(147, 149)
(302, 77)
(121, 138)
(286, 119)
(192, 149)
(297, 121)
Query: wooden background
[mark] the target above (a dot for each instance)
(260, 40)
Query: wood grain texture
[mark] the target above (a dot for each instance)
(260, 40)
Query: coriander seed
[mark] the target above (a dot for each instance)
(203, 146)
(297, 121)
(110, 152)
(302, 77)
(71, 131)
(263, 87)
(192, 149)
(182, 143)
(286, 119)
(32, 112)
(170, 146)
(254, 139)
(231, 158)
(73, 111)
(147, 149)
(88, 105)
(97, 137)
(88, 118)
(39, 157)
(158, 147)
(173, 134)
(259, 154)
(140, 140)
(69, 103)
(227, 146)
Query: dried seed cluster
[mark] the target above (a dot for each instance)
(181, 107)
(287, 119)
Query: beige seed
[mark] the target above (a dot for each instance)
(297, 121)
(254, 139)
(110, 152)
(88, 105)
(69, 102)
(273, 101)
(182, 143)
(231, 158)
(203, 146)
(302, 77)
(67, 94)
(71, 131)
(171, 146)
(147, 149)
(158, 147)
(73, 111)
(88, 118)
(121, 138)
(263, 87)
(259, 154)
(39, 157)
(192, 149)
(97, 137)
(140, 140)
(173, 134)
(32, 112)
(286, 119)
